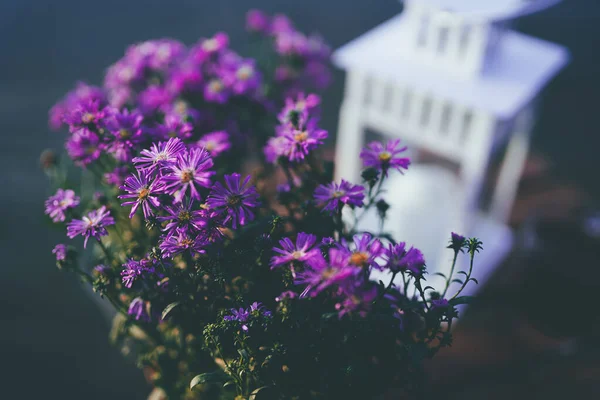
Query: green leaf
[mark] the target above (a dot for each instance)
(244, 355)
(457, 280)
(209, 377)
(439, 274)
(428, 287)
(474, 280)
(462, 272)
(168, 309)
(227, 384)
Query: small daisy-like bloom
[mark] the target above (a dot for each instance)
(138, 309)
(297, 111)
(257, 21)
(181, 217)
(358, 300)
(457, 242)
(173, 126)
(333, 196)
(241, 315)
(281, 24)
(182, 242)
(143, 189)
(215, 44)
(190, 172)
(60, 251)
(258, 308)
(92, 225)
(215, 91)
(366, 251)
(126, 126)
(160, 155)
(134, 269)
(117, 176)
(276, 147)
(59, 203)
(399, 259)
(304, 251)
(84, 147)
(322, 275)
(84, 113)
(154, 98)
(234, 200)
(381, 157)
(215, 142)
(300, 142)
(244, 78)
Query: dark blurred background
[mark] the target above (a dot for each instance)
(53, 341)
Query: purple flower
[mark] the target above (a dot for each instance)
(213, 45)
(300, 142)
(189, 172)
(304, 251)
(215, 142)
(59, 203)
(366, 251)
(400, 259)
(240, 315)
(243, 78)
(138, 309)
(182, 241)
(94, 224)
(86, 112)
(134, 269)
(84, 147)
(439, 304)
(60, 251)
(296, 112)
(173, 126)
(215, 91)
(319, 276)
(382, 158)
(181, 217)
(154, 98)
(276, 147)
(333, 196)
(116, 176)
(257, 21)
(258, 308)
(160, 155)
(358, 300)
(234, 200)
(457, 242)
(126, 126)
(281, 24)
(144, 188)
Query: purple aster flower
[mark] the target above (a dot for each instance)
(359, 300)
(243, 78)
(134, 269)
(399, 259)
(181, 242)
(281, 24)
(138, 309)
(234, 200)
(126, 126)
(439, 304)
(84, 147)
(304, 251)
(288, 294)
(300, 142)
(189, 172)
(86, 112)
(59, 203)
(381, 157)
(319, 276)
(215, 142)
(241, 315)
(457, 242)
(94, 224)
(117, 176)
(181, 217)
(257, 21)
(154, 98)
(328, 241)
(333, 196)
(297, 111)
(212, 228)
(276, 147)
(213, 45)
(101, 269)
(160, 155)
(215, 91)
(258, 308)
(173, 126)
(60, 251)
(144, 188)
(366, 251)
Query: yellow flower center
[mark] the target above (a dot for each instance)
(143, 194)
(297, 254)
(87, 118)
(337, 194)
(216, 86)
(244, 72)
(124, 134)
(184, 216)
(187, 176)
(359, 259)
(234, 200)
(301, 136)
(385, 156)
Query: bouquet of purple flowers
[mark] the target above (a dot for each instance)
(230, 285)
